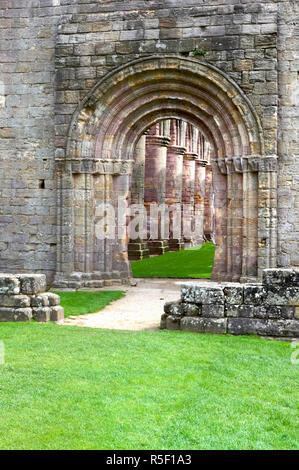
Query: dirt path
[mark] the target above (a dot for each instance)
(141, 309)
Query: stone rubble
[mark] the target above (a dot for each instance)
(267, 309)
(23, 297)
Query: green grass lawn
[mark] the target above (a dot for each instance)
(80, 388)
(192, 263)
(78, 303)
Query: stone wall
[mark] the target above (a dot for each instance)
(267, 309)
(23, 297)
(52, 52)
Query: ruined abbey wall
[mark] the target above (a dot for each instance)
(52, 52)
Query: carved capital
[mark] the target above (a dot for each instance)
(253, 163)
(97, 166)
(176, 149)
(158, 140)
(190, 156)
(202, 163)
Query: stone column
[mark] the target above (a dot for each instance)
(188, 195)
(138, 249)
(219, 272)
(155, 181)
(83, 222)
(191, 139)
(267, 219)
(65, 223)
(174, 171)
(250, 222)
(208, 213)
(199, 198)
(234, 226)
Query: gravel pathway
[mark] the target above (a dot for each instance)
(140, 309)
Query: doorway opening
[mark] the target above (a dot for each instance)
(171, 184)
(134, 106)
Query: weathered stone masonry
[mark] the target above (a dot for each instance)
(267, 309)
(23, 297)
(68, 126)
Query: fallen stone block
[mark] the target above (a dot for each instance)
(254, 326)
(174, 308)
(204, 325)
(41, 314)
(255, 295)
(281, 277)
(276, 311)
(202, 294)
(188, 293)
(261, 311)
(191, 310)
(213, 311)
(233, 294)
(53, 299)
(173, 323)
(9, 284)
(57, 313)
(17, 301)
(15, 314)
(209, 295)
(242, 326)
(283, 296)
(236, 311)
(48, 299)
(32, 283)
(39, 300)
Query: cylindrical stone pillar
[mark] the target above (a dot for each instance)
(155, 183)
(199, 199)
(208, 210)
(138, 248)
(191, 137)
(188, 197)
(174, 171)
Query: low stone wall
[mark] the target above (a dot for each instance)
(267, 309)
(24, 296)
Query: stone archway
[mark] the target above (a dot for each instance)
(100, 157)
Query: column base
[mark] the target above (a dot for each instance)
(198, 241)
(138, 251)
(176, 244)
(94, 280)
(208, 236)
(188, 242)
(158, 247)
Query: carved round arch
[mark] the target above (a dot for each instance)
(100, 151)
(132, 93)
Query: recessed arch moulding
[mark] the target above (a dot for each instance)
(99, 159)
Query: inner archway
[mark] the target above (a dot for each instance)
(101, 157)
(172, 188)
